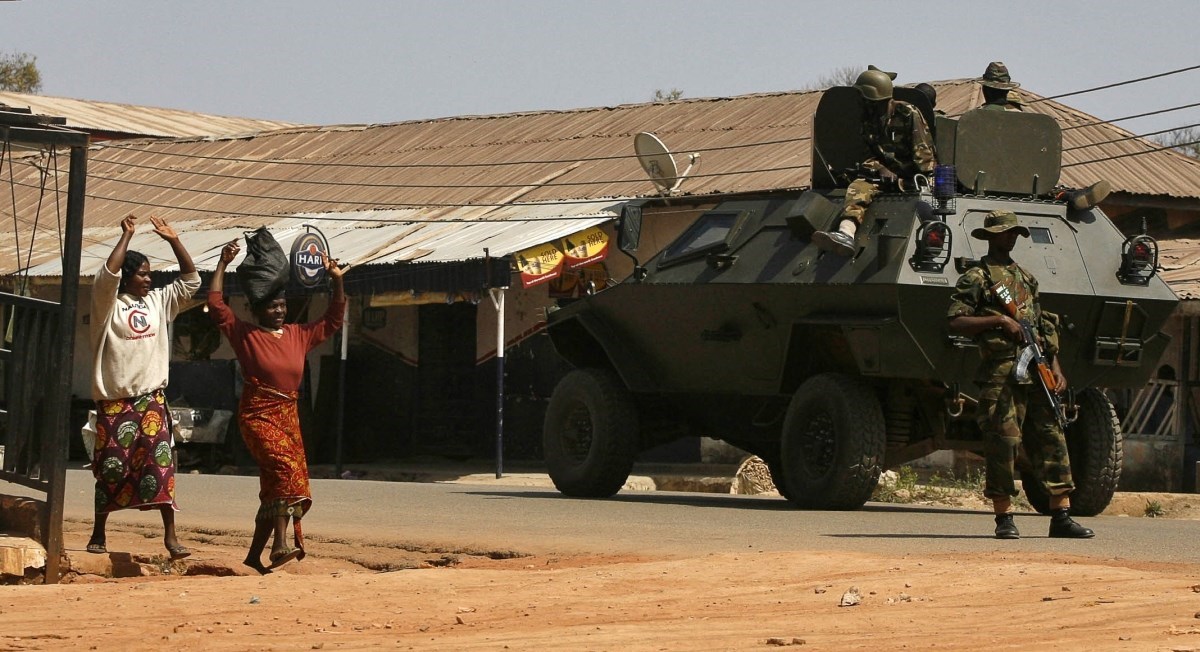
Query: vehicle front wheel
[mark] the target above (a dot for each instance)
(590, 434)
(834, 442)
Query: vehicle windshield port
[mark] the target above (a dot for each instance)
(708, 234)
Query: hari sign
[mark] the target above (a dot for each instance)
(308, 258)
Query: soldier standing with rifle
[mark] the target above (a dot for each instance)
(996, 303)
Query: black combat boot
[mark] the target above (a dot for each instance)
(1005, 528)
(1062, 526)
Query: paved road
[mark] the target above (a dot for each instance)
(537, 519)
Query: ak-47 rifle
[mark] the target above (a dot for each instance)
(1032, 353)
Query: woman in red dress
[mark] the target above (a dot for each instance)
(272, 356)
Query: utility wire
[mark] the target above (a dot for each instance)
(1116, 84)
(225, 193)
(390, 166)
(1133, 137)
(1131, 117)
(1129, 154)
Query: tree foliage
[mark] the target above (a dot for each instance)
(19, 73)
(666, 96)
(843, 76)
(1185, 141)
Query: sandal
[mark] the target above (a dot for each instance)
(178, 551)
(96, 547)
(284, 556)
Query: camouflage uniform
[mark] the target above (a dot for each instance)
(902, 146)
(1012, 413)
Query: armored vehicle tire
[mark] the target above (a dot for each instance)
(590, 434)
(1094, 442)
(774, 464)
(833, 443)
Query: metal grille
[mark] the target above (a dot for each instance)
(39, 335)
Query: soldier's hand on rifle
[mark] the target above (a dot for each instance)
(1060, 380)
(1011, 329)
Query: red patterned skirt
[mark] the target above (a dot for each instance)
(133, 462)
(270, 427)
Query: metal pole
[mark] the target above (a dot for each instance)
(341, 389)
(497, 295)
(60, 403)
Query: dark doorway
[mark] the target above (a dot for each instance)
(448, 411)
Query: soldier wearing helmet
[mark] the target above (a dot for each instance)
(1016, 419)
(901, 147)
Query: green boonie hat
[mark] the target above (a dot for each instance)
(890, 75)
(997, 222)
(996, 76)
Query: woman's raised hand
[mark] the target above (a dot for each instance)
(230, 251)
(331, 266)
(163, 229)
(128, 224)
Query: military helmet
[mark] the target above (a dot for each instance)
(874, 85)
(891, 75)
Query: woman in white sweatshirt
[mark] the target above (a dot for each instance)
(133, 463)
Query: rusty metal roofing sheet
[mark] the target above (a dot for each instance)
(134, 120)
(453, 171)
(374, 237)
(1180, 262)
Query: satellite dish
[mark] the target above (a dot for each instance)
(659, 164)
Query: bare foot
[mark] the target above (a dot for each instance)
(257, 565)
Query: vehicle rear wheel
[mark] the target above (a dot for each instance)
(1094, 443)
(833, 445)
(590, 434)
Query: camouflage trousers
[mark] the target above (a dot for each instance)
(1021, 433)
(859, 195)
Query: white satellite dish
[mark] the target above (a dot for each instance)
(659, 164)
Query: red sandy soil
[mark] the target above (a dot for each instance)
(360, 594)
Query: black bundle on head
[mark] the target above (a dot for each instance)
(133, 262)
(259, 305)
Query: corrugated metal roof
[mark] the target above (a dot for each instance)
(370, 237)
(430, 178)
(1180, 263)
(137, 121)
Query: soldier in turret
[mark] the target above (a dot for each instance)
(901, 147)
(1014, 414)
(999, 94)
(997, 88)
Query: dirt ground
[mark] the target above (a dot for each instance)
(358, 594)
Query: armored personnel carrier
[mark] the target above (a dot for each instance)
(833, 369)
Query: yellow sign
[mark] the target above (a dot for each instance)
(584, 248)
(539, 264)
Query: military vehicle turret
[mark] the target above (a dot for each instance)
(833, 369)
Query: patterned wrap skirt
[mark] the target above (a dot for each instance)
(270, 427)
(133, 462)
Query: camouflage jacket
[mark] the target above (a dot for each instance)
(973, 296)
(900, 141)
(1000, 106)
